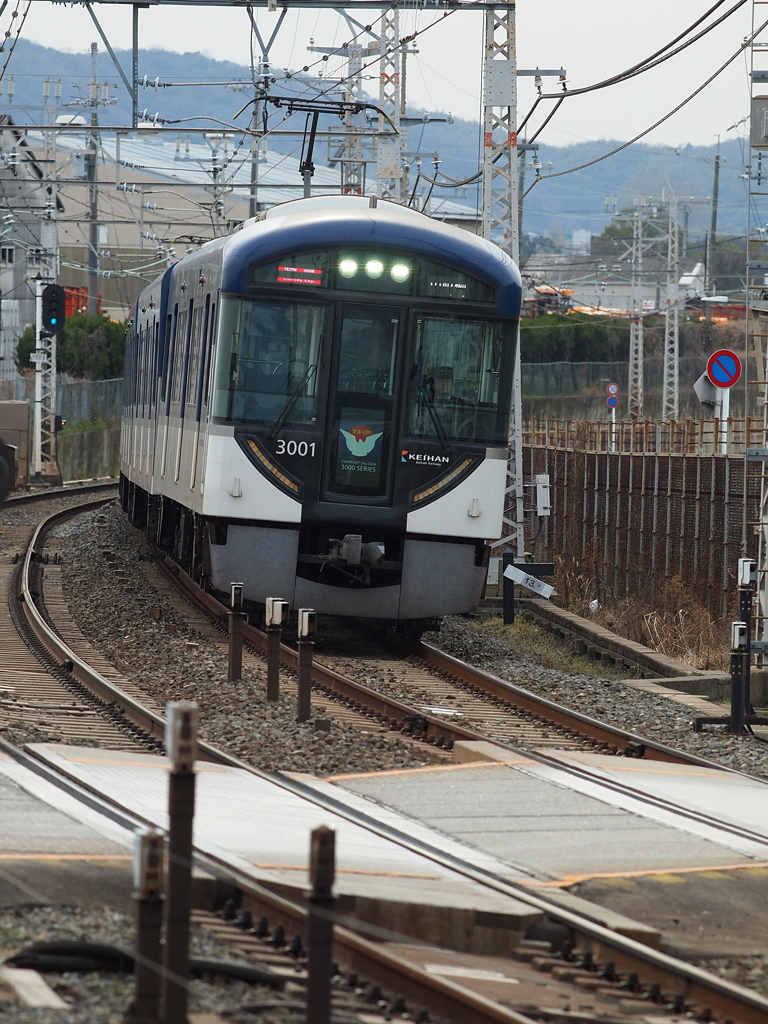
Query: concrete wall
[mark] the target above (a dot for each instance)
(89, 454)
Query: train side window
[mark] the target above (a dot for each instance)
(170, 350)
(195, 343)
(203, 360)
(209, 356)
(154, 366)
(180, 340)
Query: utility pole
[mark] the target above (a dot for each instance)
(635, 396)
(711, 274)
(93, 188)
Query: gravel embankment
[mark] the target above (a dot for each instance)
(161, 656)
(639, 712)
(103, 998)
(155, 654)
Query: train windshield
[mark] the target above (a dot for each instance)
(461, 379)
(267, 360)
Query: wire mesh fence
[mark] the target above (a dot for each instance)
(660, 508)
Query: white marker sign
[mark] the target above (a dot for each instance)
(518, 576)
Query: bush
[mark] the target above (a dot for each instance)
(89, 347)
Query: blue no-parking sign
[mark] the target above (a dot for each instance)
(724, 368)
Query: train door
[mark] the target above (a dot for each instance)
(361, 405)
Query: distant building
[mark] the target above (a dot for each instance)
(599, 283)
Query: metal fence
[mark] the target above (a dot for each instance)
(694, 437)
(628, 523)
(77, 401)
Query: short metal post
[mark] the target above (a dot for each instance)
(508, 591)
(745, 614)
(274, 634)
(307, 629)
(236, 617)
(276, 614)
(322, 866)
(737, 694)
(181, 746)
(148, 893)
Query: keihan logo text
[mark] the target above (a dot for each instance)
(439, 460)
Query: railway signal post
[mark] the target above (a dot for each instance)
(322, 868)
(236, 617)
(276, 613)
(181, 745)
(306, 645)
(148, 868)
(742, 714)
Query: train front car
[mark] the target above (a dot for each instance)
(355, 454)
(364, 369)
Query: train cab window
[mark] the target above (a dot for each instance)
(362, 411)
(267, 361)
(460, 380)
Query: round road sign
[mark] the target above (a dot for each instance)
(612, 401)
(724, 368)
(612, 389)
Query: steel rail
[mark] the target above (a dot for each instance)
(395, 711)
(51, 494)
(720, 997)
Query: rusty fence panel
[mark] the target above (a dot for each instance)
(631, 522)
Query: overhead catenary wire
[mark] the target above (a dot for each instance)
(590, 163)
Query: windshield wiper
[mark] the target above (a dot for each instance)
(436, 421)
(282, 419)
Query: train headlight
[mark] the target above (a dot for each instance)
(400, 273)
(347, 268)
(374, 268)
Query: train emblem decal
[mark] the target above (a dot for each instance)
(360, 440)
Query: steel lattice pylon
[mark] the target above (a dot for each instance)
(669, 402)
(389, 158)
(635, 397)
(500, 219)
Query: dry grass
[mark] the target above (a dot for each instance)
(678, 625)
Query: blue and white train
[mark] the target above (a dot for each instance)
(317, 406)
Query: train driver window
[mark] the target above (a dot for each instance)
(461, 379)
(267, 357)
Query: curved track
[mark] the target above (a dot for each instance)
(610, 958)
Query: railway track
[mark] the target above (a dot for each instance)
(433, 697)
(596, 954)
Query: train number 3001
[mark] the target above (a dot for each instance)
(295, 447)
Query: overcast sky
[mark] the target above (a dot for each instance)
(592, 40)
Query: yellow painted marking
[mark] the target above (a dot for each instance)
(714, 875)
(756, 871)
(430, 768)
(659, 874)
(66, 856)
(349, 871)
(166, 766)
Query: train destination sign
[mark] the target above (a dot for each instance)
(538, 586)
(724, 368)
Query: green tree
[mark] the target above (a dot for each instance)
(89, 347)
(573, 337)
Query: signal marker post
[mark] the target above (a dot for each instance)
(612, 401)
(527, 574)
(723, 370)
